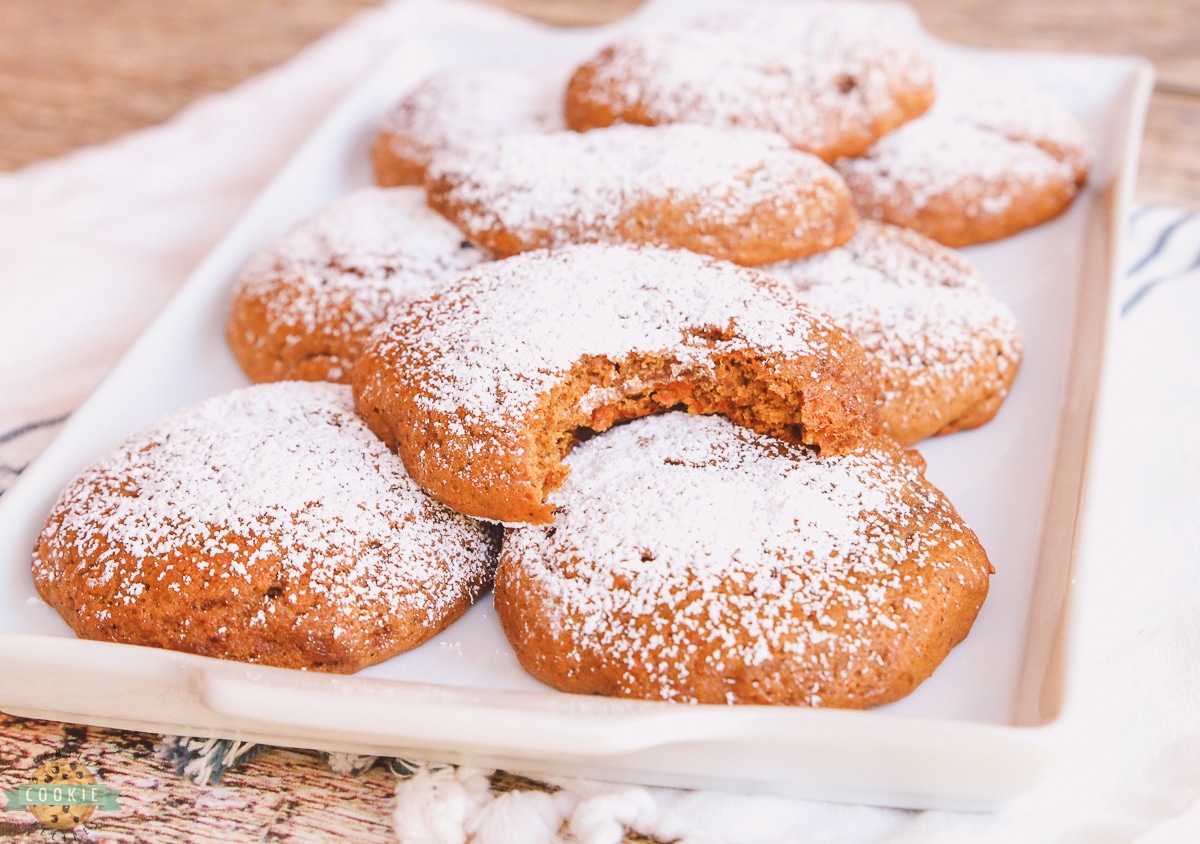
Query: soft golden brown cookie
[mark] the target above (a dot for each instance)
(305, 307)
(993, 157)
(945, 351)
(484, 387)
(692, 560)
(266, 525)
(740, 195)
(465, 104)
(830, 83)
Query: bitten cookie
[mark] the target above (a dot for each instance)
(739, 195)
(830, 83)
(266, 525)
(466, 104)
(945, 351)
(993, 157)
(692, 560)
(484, 387)
(305, 308)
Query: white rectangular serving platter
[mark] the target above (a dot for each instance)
(978, 733)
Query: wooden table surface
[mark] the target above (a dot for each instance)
(78, 72)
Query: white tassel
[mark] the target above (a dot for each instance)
(603, 819)
(436, 807)
(527, 817)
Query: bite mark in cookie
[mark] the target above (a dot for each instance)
(486, 386)
(694, 561)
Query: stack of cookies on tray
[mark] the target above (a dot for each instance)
(642, 342)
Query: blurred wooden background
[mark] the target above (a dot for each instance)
(77, 72)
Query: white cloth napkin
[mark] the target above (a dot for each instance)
(92, 244)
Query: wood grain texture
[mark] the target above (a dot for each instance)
(78, 72)
(1170, 165)
(1163, 30)
(283, 795)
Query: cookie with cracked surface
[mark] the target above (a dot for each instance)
(946, 351)
(831, 83)
(993, 157)
(306, 306)
(735, 194)
(484, 387)
(692, 560)
(266, 525)
(466, 104)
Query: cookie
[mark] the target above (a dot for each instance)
(691, 560)
(266, 525)
(484, 387)
(739, 195)
(466, 104)
(62, 778)
(945, 351)
(993, 157)
(830, 83)
(306, 306)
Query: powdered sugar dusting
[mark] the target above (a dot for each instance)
(919, 308)
(888, 254)
(818, 78)
(478, 101)
(306, 306)
(371, 249)
(677, 532)
(283, 475)
(1012, 108)
(501, 335)
(936, 155)
(565, 186)
(987, 134)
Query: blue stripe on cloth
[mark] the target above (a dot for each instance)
(29, 428)
(16, 455)
(1139, 294)
(1160, 242)
(1169, 248)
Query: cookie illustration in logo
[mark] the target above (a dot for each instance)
(62, 774)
